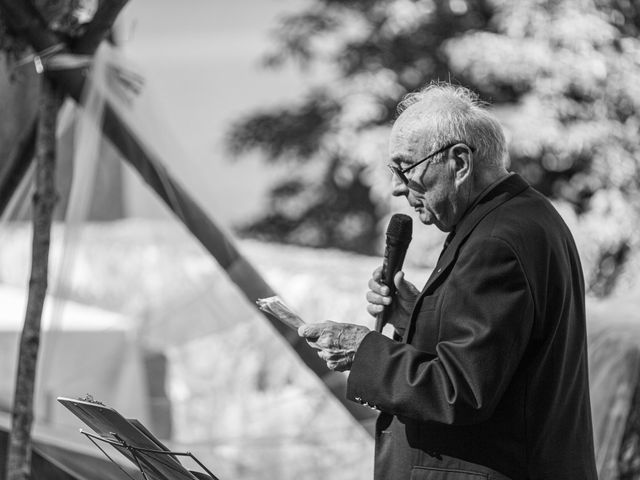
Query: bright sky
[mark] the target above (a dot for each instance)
(202, 57)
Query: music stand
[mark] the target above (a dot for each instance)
(133, 440)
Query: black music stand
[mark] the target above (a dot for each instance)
(133, 440)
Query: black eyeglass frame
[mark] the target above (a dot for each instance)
(400, 172)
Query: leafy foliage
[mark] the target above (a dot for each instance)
(296, 132)
(563, 76)
(334, 211)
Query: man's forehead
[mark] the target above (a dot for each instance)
(419, 117)
(411, 131)
(427, 111)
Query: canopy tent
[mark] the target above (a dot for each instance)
(114, 106)
(265, 404)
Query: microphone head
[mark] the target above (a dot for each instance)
(400, 228)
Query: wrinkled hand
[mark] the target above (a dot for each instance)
(400, 304)
(337, 342)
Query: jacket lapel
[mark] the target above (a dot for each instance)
(502, 192)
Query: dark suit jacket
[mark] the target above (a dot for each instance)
(491, 375)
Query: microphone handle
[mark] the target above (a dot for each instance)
(394, 254)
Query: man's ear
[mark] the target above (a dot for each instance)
(463, 157)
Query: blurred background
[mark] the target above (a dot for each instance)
(205, 63)
(289, 104)
(271, 118)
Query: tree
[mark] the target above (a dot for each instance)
(561, 75)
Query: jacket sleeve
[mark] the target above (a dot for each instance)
(485, 320)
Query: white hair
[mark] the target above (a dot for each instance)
(458, 114)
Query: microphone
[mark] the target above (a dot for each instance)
(398, 238)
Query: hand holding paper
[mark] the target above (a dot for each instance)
(336, 342)
(276, 307)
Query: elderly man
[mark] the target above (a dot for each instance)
(486, 377)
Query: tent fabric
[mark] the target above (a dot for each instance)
(113, 110)
(86, 350)
(241, 399)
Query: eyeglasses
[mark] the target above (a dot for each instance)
(400, 172)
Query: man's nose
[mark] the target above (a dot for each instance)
(399, 189)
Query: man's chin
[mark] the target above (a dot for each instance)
(429, 219)
(425, 217)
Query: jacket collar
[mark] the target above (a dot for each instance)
(502, 192)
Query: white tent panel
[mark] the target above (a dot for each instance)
(86, 350)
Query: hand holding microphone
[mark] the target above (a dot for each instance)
(384, 304)
(337, 343)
